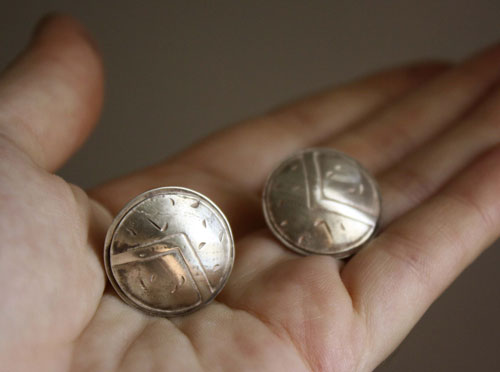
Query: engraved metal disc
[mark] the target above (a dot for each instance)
(321, 201)
(169, 251)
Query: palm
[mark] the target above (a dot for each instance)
(279, 311)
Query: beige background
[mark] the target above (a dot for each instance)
(179, 70)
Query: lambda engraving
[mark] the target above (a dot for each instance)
(169, 251)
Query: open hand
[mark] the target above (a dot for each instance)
(428, 132)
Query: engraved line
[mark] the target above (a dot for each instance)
(131, 231)
(154, 223)
(162, 229)
(175, 288)
(178, 285)
(326, 228)
(300, 240)
(143, 285)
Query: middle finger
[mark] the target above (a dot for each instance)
(420, 116)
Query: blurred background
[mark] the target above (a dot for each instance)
(177, 71)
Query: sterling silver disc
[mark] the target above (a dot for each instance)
(321, 201)
(169, 251)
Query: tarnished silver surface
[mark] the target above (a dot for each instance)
(321, 201)
(169, 251)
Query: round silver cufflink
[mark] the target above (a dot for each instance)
(169, 251)
(321, 201)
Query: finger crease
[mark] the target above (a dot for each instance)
(284, 335)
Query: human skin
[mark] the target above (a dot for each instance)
(429, 132)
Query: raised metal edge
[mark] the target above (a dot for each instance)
(118, 219)
(268, 217)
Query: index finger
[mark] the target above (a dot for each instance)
(230, 165)
(248, 152)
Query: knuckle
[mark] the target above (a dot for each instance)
(409, 252)
(409, 182)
